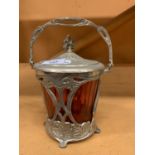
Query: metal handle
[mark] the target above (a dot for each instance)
(80, 22)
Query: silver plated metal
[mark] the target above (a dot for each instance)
(63, 131)
(62, 81)
(69, 71)
(69, 62)
(80, 22)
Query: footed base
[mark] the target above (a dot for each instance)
(65, 132)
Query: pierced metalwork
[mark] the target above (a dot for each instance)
(69, 71)
(63, 131)
(60, 82)
(66, 132)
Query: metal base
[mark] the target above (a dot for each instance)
(65, 132)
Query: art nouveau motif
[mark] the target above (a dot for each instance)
(65, 132)
(71, 85)
(62, 130)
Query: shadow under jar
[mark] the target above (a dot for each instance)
(70, 86)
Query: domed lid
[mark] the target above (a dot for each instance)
(69, 62)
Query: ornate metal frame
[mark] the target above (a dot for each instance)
(63, 131)
(80, 22)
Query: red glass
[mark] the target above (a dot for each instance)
(82, 103)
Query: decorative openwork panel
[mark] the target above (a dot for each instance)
(71, 103)
(81, 104)
(70, 98)
(70, 85)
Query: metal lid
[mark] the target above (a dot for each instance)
(69, 62)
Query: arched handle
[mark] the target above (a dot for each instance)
(79, 22)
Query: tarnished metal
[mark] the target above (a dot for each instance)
(68, 44)
(56, 128)
(69, 71)
(61, 81)
(65, 132)
(69, 62)
(80, 22)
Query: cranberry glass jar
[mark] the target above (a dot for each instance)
(70, 86)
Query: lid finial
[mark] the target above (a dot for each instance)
(68, 44)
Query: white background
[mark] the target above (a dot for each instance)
(145, 77)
